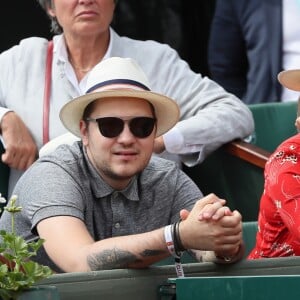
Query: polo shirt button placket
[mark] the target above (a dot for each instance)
(115, 205)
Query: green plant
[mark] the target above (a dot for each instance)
(17, 271)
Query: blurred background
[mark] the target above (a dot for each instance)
(184, 25)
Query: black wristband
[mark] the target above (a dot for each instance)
(178, 247)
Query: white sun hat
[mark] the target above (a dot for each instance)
(290, 79)
(121, 78)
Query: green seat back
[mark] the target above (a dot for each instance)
(249, 235)
(146, 284)
(240, 182)
(230, 178)
(237, 288)
(274, 122)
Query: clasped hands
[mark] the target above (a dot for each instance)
(211, 225)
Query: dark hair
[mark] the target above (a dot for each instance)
(55, 27)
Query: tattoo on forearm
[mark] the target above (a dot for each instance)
(117, 258)
(111, 259)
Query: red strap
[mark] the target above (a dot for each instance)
(47, 92)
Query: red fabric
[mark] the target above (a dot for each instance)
(279, 214)
(47, 90)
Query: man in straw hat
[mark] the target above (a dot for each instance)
(278, 220)
(104, 202)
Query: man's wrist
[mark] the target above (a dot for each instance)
(173, 240)
(232, 258)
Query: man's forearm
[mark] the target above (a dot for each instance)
(135, 251)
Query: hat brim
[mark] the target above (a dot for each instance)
(166, 109)
(290, 79)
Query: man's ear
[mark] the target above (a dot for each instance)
(84, 132)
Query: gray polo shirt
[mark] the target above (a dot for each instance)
(65, 183)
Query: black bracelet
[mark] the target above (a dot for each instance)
(175, 240)
(178, 247)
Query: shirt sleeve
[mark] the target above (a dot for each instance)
(174, 143)
(209, 115)
(284, 190)
(56, 194)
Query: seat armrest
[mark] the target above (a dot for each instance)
(248, 152)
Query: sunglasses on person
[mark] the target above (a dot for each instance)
(111, 127)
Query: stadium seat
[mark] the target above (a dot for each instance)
(235, 171)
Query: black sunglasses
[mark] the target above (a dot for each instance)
(111, 127)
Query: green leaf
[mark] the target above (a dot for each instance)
(17, 271)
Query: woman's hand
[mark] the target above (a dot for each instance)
(20, 148)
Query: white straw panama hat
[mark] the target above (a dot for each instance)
(121, 78)
(290, 79)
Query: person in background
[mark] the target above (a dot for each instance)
(103, 202)
(250, 43)
(183, 25)
(278, 219)
(30, 104)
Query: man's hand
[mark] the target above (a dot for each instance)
(211, 226)
(20, 148)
